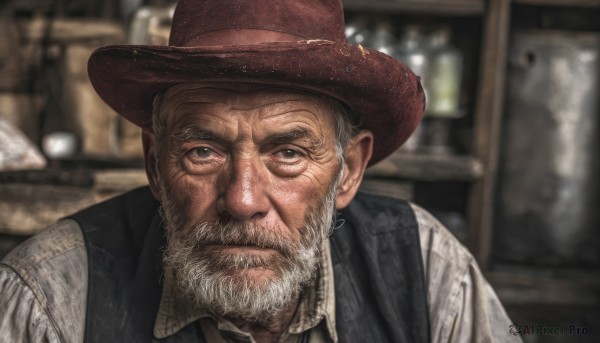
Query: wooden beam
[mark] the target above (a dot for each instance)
(488, 121)
(116, 180)
(69, 30)
(446, 8)
(570, 3)
(420, 167)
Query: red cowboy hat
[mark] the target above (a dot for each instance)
(288, 43)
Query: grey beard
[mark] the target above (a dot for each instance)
(217, 282)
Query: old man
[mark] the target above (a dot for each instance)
(258, 123)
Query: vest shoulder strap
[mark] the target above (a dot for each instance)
(379, 276)
(123, 238)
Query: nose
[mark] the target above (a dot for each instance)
(244, 194)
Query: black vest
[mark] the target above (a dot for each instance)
(378, 269)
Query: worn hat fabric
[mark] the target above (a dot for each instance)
(287, 43)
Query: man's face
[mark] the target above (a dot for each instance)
(248, 180)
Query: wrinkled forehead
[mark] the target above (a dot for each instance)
(252, 94)
(187, 97)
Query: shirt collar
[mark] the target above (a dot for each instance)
(318, 304)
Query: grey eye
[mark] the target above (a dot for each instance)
(202, 152)
(289, 153)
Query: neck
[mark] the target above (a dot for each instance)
(269, 329)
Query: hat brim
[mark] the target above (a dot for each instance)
(385, 94)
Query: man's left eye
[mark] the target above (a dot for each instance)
(289, 154)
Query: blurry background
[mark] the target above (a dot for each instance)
(507, 156)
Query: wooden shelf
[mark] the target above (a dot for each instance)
(428, 167)
(448, 7)
(533, 295)
(570, 3)
(110, 180)
(532, 286)
(35, 199)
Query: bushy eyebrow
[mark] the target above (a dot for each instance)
(290, 136)
(194, 133)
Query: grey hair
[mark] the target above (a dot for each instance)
(346, 122)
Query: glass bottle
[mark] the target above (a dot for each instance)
(357, 30)
(383, 38)
(445, 73)
(412, 51)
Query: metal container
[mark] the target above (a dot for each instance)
(548, 191)
(151, 25)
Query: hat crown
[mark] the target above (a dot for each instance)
(195, 22)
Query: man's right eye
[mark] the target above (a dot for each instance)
(201, 152)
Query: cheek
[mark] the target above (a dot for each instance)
(194, 196)
(293, 198)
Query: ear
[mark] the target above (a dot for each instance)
(149, 144)
(357, 155)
